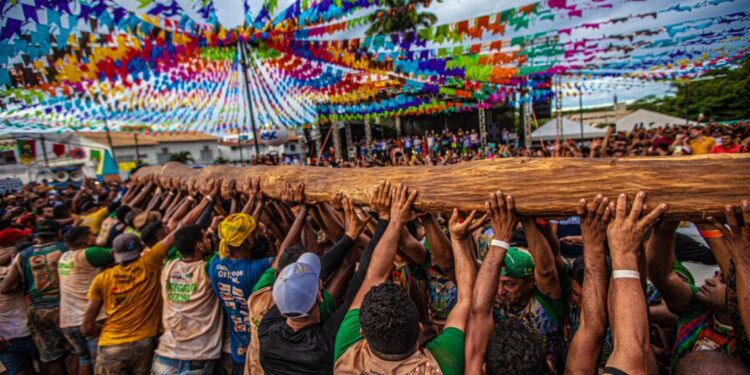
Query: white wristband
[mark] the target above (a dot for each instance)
(626, 274)
(501, 244)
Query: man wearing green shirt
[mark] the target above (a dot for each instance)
(380, 331)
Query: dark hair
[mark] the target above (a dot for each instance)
(186, 238)
(113, 207)
(389, 320)
(514, 349)
(76, 236)
(150, 234)
(261, 247)
(86, 205)
(129, 216)
(290, 255)
(121, 212)
(709, 361)
(60, 212)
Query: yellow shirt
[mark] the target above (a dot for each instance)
(94, 220)
(703, 146)
(131, 295)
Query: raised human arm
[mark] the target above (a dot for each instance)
(142, 195)
(660, 258)
(440, 245)
(737, 237)
(332, 227)
(179, 213)
(466, 269)
(79, 194)
(178, 201)
(211, 192)
(717, 243)
(155, 200)
(293, 236)
(545, 268)
(583, 354)
(166, 201)
(627, 303)
(501, 210)
(410, 248)
(332, 259)
(379, 269)
(380, 200)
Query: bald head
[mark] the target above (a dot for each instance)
(710, 362)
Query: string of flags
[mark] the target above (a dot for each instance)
(169, 66)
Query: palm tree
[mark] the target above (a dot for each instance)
(400, 15)
(183, 157)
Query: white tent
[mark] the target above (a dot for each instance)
(570, 129)
(648, 119)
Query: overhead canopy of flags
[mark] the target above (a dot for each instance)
(171, 65)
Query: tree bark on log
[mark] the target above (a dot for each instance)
(693, 186)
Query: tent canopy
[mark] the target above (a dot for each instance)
(570, 129)
(648, 119)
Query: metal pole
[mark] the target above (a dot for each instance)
(368, 135)
(239, 144)
(44, 151)
(243, 59)
(580, 110)
(109, 140)
(137, 150)
(687, 103)
(482, 127)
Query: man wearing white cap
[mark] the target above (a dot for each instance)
(293, 337)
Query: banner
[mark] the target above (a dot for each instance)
(26, 150)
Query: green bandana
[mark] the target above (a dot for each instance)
(518, 264)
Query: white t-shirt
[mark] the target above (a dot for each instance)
(14, 322)
(75, 275)
(191, 314)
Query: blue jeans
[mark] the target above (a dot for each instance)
(18, 354)
(169, 366)
(83, 347)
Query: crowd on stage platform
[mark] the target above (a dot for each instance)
(448, 147)
(152, 276)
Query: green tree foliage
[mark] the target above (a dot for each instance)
(220, 160)
(723, 95)
(183, 157)
(400, 15)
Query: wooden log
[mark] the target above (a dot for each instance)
(693, 186)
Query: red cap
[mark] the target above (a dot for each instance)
(9, 236)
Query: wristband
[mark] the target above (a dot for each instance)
(626, 274)
(500, 244)
(190, 198)
(712, 233)
(210, 198)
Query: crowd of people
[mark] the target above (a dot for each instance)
(162, 277)
(448, 147)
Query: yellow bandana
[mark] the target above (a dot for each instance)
(233, 231)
